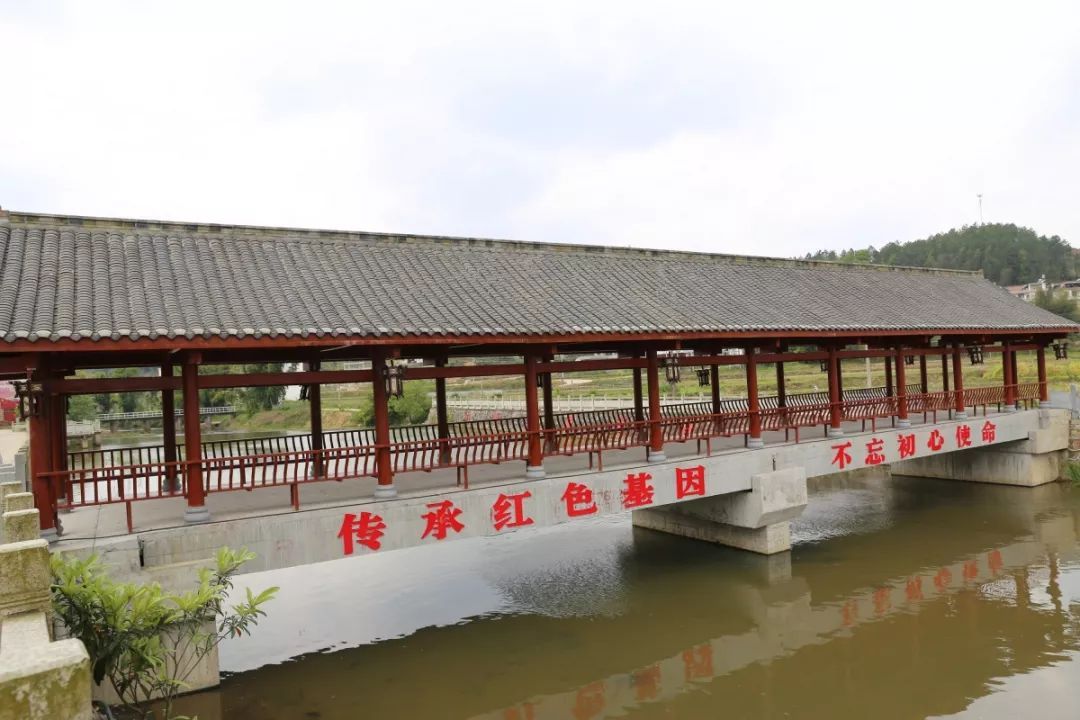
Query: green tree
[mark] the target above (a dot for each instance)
(1058, 303)
(1005, 253)
(412, 408)
(146, 642)
(255, 399)
(82, 407)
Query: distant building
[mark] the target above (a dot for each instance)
(1027, 292)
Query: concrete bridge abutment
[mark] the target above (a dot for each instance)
(757, 520)
(1038, 460)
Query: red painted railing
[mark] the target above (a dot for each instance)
(124, 475)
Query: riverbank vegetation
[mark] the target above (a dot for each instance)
(147, 642)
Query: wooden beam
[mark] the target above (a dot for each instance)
(87, 386)
(306, 377)
(17, 366)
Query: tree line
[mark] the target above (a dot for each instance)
(1007, 254)
(249, 399)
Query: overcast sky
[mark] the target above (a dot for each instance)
(759, 128)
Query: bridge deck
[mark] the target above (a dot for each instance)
(117, 517)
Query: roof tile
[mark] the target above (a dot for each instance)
(89, 278)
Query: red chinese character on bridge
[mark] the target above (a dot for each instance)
(913, 591)
(509, 511)
(689, 481)
(963, 436)
(842, 457)
(943, 579)
(364, 529)
(442, 518)
(525, 712)
(882, 601)
(907, 445)
(849, 613)
(971, 569)
(579, 500)
(698, 662)
(874, 455)
(589, 702)
(994, 561)
(989, 432)
(646, 683)
(936, 441)
(638, 491)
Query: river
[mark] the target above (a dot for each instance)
(901, 598)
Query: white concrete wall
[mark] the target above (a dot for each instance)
(288, 539)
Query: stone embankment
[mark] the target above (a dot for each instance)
(39, 679)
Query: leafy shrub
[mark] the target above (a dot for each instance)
(146, 641)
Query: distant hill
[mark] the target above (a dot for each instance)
(1007, 254)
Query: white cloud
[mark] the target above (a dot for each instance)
(764, 128)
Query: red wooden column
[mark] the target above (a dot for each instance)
(945, 370)
(835, 408)
(315, 406)
(59, 418)
(888, 376)
(958, 384)
(639, 402)
(1012, 356)
(781, 390)
(549, 406)
(753, 402)
(442, 417)
(1040, 361)
(901, 389)
(58, 414)
(714, 381)
(840, 378)
(534, 464)
(168, 430)
(40, 427)
(1007, 372)
(656, 432)
(924, 379)
(383, 468)
(196, 493)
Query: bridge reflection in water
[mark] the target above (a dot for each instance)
(902, 598)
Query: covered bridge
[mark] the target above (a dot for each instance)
(82, 292)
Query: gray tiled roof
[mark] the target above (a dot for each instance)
(64, 277)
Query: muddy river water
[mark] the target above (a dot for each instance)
(902, 598)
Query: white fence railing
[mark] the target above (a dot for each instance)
(150, 414)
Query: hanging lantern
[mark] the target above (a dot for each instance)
(975, 354)
(824, 366)
(305, 392)
(29, 395)
(671, 370)
(1061, 351)
(541, 378)
(394, 378)
(703, 376)
(909, 359)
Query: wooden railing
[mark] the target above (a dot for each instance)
(123, 475)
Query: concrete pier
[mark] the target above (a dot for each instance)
(757, 520)
(1038, 460)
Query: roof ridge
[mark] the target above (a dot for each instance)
(317, 235)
